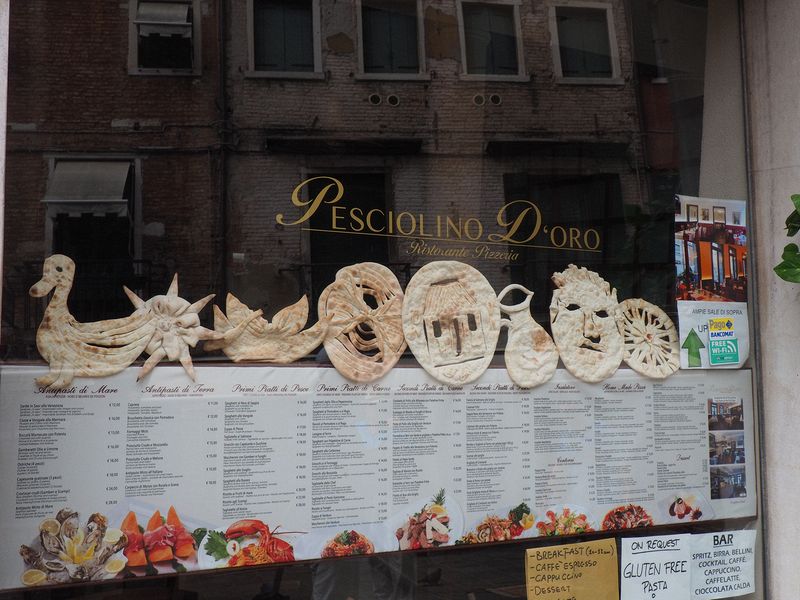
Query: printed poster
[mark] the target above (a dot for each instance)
(121, 478)
(712, 270)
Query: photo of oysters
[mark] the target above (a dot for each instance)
(65, 551)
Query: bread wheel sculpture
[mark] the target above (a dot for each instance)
(650, 338)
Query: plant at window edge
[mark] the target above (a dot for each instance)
(789, 267)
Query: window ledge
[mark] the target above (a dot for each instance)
(476, 77)
(392, 76)
(166, 72)
(316, 75)
(590, 80)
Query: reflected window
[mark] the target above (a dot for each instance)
(584, 48)
(390, 37)
(283, 35)
(165, 36)
(490, 39)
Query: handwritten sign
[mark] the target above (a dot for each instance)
(585, 571)
(656, 568)
(723, 564)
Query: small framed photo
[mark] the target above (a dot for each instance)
(691, 213)
(737, 217)
(719, 214)
(705, 214)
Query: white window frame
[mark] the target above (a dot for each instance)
(136, 200)
(555, 48)
(420, 75)
(317, 73)
(521, 72)
(133, 42)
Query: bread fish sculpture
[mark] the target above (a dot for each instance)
(164, 326)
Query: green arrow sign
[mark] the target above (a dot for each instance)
(693, 344)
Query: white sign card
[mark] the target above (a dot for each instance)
(723, 564)
(655, 568)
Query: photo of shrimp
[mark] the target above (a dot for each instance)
(568, 522)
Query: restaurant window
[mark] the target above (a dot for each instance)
(395, 336)
(164, 38)
(584, 44)
(490, 35)
(283, 34)
(390, 36)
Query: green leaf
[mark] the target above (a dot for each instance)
(198, 535)
(216, 545)
(796, 201)
(789, 268)
(793, 223)
(178, 567)
(791, 253)
(518, 512)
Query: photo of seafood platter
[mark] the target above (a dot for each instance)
(66, 551)
(500, 529)
(246, 542)
(569, 520)
(431, 526)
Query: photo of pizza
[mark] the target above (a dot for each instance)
(627, 516)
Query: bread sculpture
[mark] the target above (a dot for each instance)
(364, 305)
(586, 324)
(163, 327)
(650, 338)
(449, 316)
(531, 356)
(248, 337)
(451, 320)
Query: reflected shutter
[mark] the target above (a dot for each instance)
(377, 42)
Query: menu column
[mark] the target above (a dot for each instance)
(563, 444)
(350, 437)
(624, 440)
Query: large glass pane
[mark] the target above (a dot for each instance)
(383, 325)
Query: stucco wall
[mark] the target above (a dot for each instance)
(773, 63)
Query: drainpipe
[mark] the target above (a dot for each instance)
(223, 147)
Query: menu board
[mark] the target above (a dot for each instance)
(249, 465)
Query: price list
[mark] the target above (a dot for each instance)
(563, 444)
(266, 459)
(349, 456)
(624, 443)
